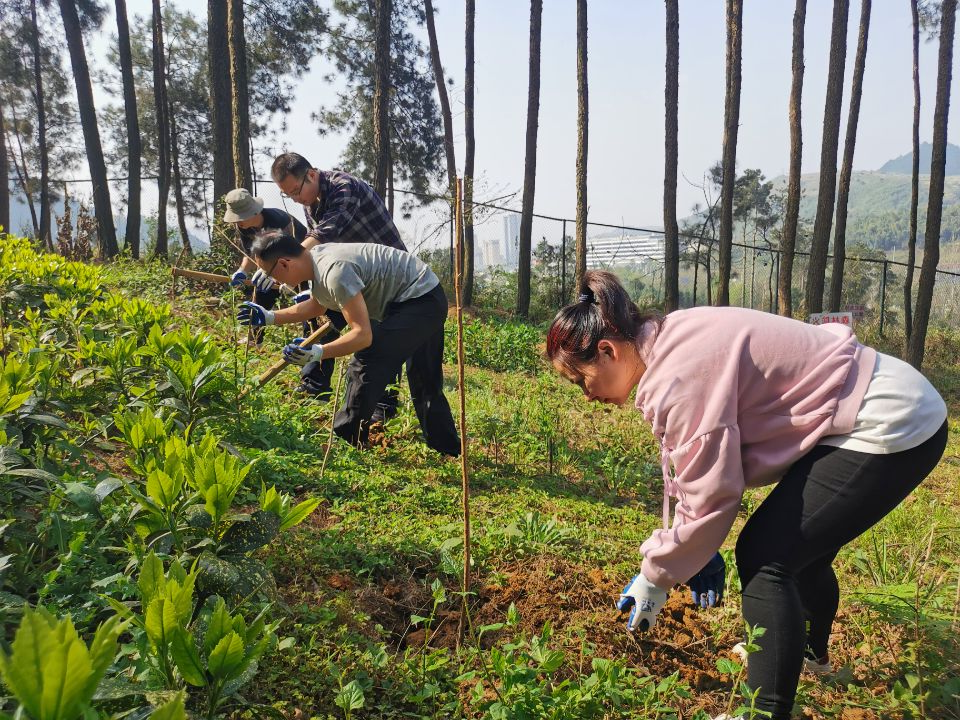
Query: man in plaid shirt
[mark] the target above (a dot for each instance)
(339, 208)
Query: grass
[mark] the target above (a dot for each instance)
(563, 494)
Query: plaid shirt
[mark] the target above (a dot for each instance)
(348, 210)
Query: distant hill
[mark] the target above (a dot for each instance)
(878, 213)
(875, 193)
(904, 163)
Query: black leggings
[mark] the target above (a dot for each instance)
(785, 551)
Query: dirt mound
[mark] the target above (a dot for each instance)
(579, 604)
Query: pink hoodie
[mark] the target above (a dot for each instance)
(735, 397)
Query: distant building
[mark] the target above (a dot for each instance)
(490, 255)
(511, 239)
(624, 250)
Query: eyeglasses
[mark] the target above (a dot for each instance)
(273, 267)
(299, 190)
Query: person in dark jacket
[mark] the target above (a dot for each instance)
(344, 209)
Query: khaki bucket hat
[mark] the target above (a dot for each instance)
(241, 205)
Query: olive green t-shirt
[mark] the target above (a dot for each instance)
(383, 274)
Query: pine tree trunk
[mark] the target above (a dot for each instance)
(826, 195)
(221, 115)
(177, 183)
(469, 150)
(466, 261)
(731, 124)
(671, 237)
(583, 137)
(788, 241)
(4, 177)
(441, 83)
(46, 237)
(106, 231)
(931, 238)
(846, 170)
(239, 97)
(23, 175)
(530, 163)
(381, 96)
(914, 184)
(134, 145)
(163, 130)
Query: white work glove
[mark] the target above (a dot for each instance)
(294, 354)
(236, 280)
(644, 600)
(261, 281)
(301, 297)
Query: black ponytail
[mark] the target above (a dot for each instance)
(603, 311)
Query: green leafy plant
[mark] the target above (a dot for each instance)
(748, 697)
(211, 649)
(51, 672)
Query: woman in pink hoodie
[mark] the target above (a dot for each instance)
(740, 398)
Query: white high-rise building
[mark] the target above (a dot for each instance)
(511, 239)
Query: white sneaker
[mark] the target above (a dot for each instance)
(724, 716)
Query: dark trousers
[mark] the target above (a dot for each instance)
(412, 329)
(785, 551)
(321, 374)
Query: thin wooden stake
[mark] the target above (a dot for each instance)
(461, 387)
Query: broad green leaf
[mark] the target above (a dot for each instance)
(103, 647)
(151, 580)
(217, 628)
(164, 489)
(161, 621)
(187, 658)
(182, 598)
(270, 500)
(299, 513)
(227, 657)
(350, 697)
(49, 666)
(252, 534)
(83, 496)
(172, 710)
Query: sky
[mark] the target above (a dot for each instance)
(626, 81)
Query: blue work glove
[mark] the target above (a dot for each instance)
(294, 354)
(262, 282)
(302, 297)
(706, 587)
(236, 280)
(254, 315)
(644, 600)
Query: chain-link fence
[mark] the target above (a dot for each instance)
(873, 287)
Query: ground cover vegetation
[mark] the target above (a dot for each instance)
(173, 548)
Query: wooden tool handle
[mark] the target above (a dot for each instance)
(214, 277)
(275, 369)
(197, 275)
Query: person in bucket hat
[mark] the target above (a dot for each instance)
(249, 216)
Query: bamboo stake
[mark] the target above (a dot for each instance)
(461, 387)
(275, 369)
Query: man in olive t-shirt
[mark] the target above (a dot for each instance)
(395, 308)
